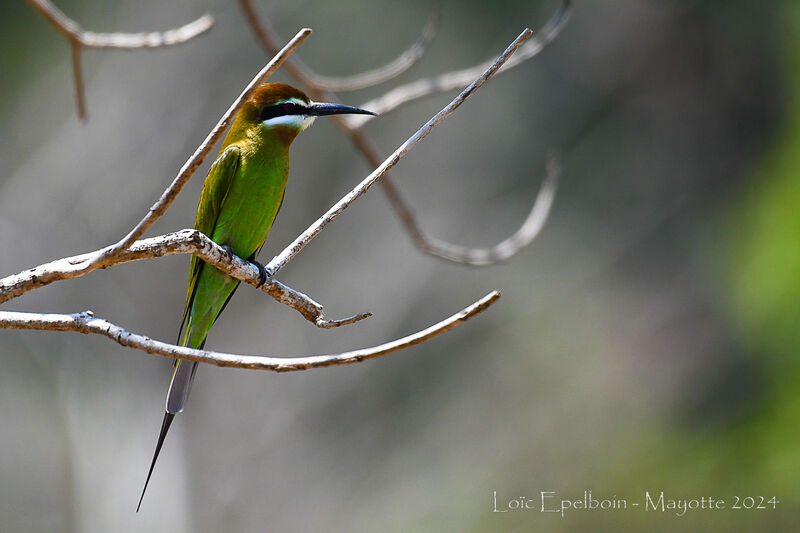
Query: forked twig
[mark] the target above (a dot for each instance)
(436, 247)
(265, 34)
(188, 241)
(370, 78)
(79, 39)
(459, 79)
(86, 322)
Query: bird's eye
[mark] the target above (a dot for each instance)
(279, 110)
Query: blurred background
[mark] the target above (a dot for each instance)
(647, 341)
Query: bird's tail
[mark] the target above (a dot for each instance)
(179, 388)
(164, 428)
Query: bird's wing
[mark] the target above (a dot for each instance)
(215, 188)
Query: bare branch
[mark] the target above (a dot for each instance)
(505, 249)
(429, 245)
(460, 78)
(127, 41)
(404, 61)
(77, 75)
(124, 41)
(86, 322)
(188, 241)
(135, 41)
(304, 238)
(265, 34)
(191, 164)
(309, 79)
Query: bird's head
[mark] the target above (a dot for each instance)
(285, 110)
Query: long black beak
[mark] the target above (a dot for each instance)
(321, 109)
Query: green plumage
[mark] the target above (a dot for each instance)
(241, 197)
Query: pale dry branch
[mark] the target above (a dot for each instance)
(505, 249)
(402, 63)
(411, 56)
(86, 322)
(190, 166)
(430, 245)
(312, 231)
(124, 41)
(461, 78)
(188, 241)
(79, 39)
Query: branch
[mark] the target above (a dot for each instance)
(402, 63)
(106, 258)
(86, 322)
(505, 249)
(312, 231)
(188, 241)
(436, 247)
(78, 39)
(265, 34)
(460, 78)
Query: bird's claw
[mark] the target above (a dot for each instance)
(262, 273)
(228, 251)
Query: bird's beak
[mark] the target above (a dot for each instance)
(318, 109)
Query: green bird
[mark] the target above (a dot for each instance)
(241, 196)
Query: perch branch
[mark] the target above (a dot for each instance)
(189, 241)
(312, 231)
(436, 247)
(191, 164)
(86, 322)
(79, 39)
(461, 78)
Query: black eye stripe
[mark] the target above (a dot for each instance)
(282, 109)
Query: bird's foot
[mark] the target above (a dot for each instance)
(228, 251)
(262, 273)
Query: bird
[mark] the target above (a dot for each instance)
(240, 199)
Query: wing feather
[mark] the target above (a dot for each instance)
(215, 189)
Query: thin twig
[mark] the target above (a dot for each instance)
(135, 41)
(86, 322)
(312, 231)
(505, 249)
(461, 78)
(77, 75)
(78, 39)
(299, 71)
(479, 257)
(188, 241)
(191, 164)
(127, 41)
(404, 61)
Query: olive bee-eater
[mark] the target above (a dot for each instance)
(241, 196)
